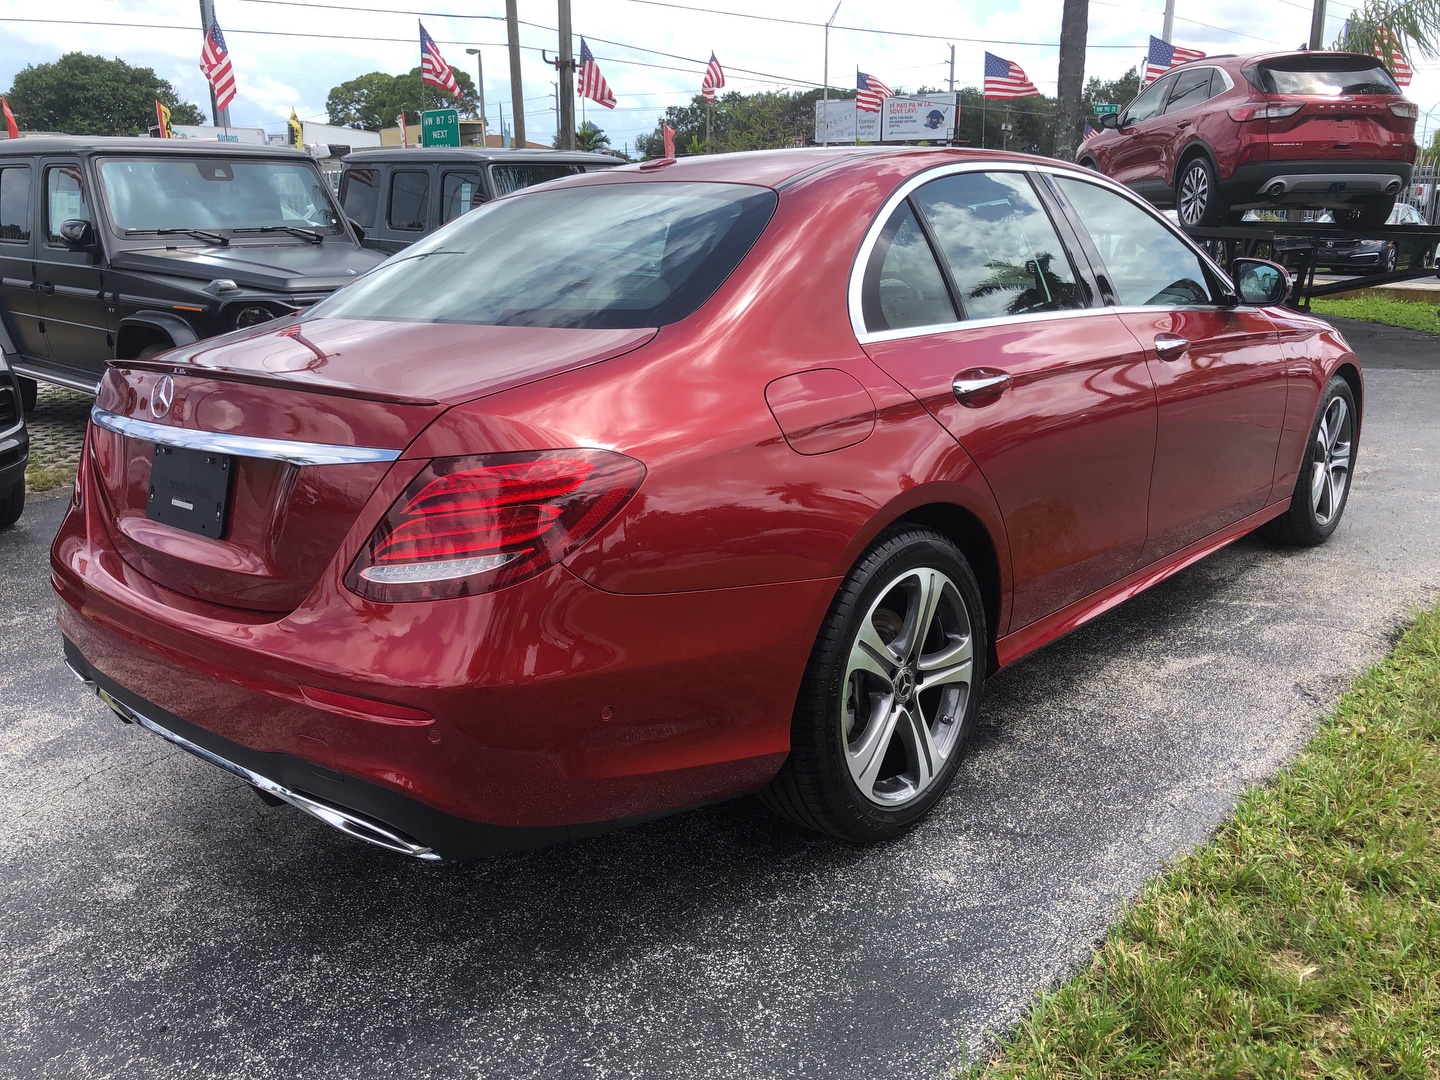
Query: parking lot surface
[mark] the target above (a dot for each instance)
(157, 920)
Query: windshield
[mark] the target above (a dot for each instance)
(1319, 76)
(213, 193)
(609, 257)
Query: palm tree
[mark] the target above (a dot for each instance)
(1378, 25)
(1074, 23)
(590, 137)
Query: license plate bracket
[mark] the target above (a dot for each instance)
(190, 489)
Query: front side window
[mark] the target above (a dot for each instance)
(409, 199)
(212, 193)
(1191, 88)
(361, 196)
(618, 256)
(15, 203)
(903, 286)
(1148, 104)
(65, 199)
(1147, 264)
(460, 192)
(508, 178)
(1000, 246)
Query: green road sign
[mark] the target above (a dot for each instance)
(1105, 107)
(440, 127)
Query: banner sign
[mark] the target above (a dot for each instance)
(902, 119)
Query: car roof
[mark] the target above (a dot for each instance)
(138, 144)
(414, 154)
(1239, 60)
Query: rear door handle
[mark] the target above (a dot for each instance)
(1170, 347)
(47, 287)
(978, 382)
(1183, 124)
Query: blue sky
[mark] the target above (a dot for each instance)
(278, 73)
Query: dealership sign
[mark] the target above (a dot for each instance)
(901, 119)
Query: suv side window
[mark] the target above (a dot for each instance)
(460, 192)
(1147, 106)
(64, 200)
(903, 286)
(361, 196)
(1191, 88)
(1001, 248)
(409, 199)
(15, 203)
(1146, 263)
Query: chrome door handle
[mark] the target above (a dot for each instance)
(1170, 347)
(47, 287)
(977, 383)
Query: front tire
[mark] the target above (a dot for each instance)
(1323, 484)
(1198, 201)
(890, 692)
(29, 392)
(12, 504)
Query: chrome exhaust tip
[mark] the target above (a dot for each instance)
(1276, 189)
(1394, 188)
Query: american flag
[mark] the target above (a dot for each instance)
(433, 68)
(1396, 60)
(1090, 133)
(714, 78)
(592, 83)
(1163, 56)
(870, 92)
(1004, 79)
(215, 66)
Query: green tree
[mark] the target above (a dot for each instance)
(1119, 91)
(588, 137)
(82, 94)
(373, 101)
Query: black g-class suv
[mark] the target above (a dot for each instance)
(116, 248)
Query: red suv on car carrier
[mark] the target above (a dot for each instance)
(1218, 136)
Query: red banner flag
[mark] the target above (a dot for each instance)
(669, 139)
(10, 125)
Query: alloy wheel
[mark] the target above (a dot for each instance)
(1330, 475)
(1194, 194)
(908, 679)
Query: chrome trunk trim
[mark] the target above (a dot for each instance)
(350, 824)
(252, 446)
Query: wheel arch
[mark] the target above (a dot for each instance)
(146, 328)
(1191, 150)
(1351, 374)
(967, 532)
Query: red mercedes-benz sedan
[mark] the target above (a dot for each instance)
(684, 481)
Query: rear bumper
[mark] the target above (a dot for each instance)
(1314, 183)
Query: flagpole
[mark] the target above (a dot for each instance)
(825, 109)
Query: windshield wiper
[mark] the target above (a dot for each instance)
(199, 234)
(293, 230)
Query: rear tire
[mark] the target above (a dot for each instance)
(890, 692)
(1388, 257)
(29, 393)
(12, 504)
(1198, 202)
(1323, 484)
(1367, 215)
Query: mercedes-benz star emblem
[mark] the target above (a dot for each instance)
(162, 397)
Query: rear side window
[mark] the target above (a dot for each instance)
(1322, 76)
(409, 199)
(903, 286)
(65, 199)
(15, 203)
(508, 178)
(1001, 249)
(1191, 88)
(460, 192)
(361, 196)
(628, 256)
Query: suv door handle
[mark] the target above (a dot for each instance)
(977, 382)
(48, 288)
(1170, 347)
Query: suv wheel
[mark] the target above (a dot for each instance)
(29, 392)
(1198, 201)
(12, 503)
(1366, 215)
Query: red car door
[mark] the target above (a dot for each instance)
(1136, 159)
(1048, 394)
(1218, 371)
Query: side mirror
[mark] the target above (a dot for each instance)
(359, 229)
(1260, 282)
(1110, 120)
(79, 235)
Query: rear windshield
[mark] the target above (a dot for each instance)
(1320, 76)
(611, 257)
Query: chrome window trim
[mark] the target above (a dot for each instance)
(251, 446)
(903, 192)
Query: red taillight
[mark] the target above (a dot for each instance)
(1241, 113)
(1406, 110)
(469, 525)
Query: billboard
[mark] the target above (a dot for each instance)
(901, 119)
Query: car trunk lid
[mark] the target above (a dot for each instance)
(1341, 109)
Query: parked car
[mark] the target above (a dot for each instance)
(118, 248)
(397, 196)
(14, 443)
(592, 507)
(1374, 256)
(1214, 137)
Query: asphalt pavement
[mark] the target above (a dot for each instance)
(157, 920)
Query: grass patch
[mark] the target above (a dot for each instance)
(40, 478)
(1304, 940)
(1382, 309)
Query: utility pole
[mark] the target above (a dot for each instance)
(566, 65)
(207, 20)
(1169, 27)
(517, 90)
(825, 109)
(952, 69)
(1317, 26)
(480, 85)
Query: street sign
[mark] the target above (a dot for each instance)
(1106, 107)
(440, 127)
